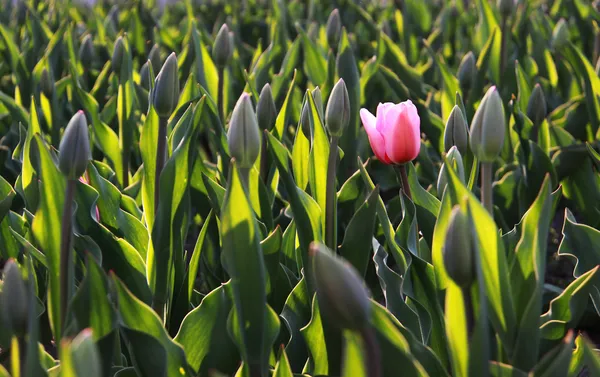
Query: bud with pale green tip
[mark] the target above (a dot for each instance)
(86, 52)
(467, 72)
(14, 302)
(318, 98)
(333, 29)
(456, 132)
(305, 119)
(560, 34)
(46, 83)
(458, 253)
(454, 159)
(154, 57)
(145, 77)
(536, 107)
(85, 355)
(506, 7)
(266, 111)
(342, 294)
(74, 148)
(222, 47)
(166, 88)
(337, 114)
(118, 55)
(488, 127)
(243, 136)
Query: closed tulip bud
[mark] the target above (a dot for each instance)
(305, 119)
(459, 258)
(334, 29)
(86, 52)
(154, 57)
(506, 7)
(337, 114)
(14, 299)
(118, 55)
(488, 127)
(266, 112)
(145, 77)
(74, 148)
(342, 295)
(467, 71)
(536, 107)
(243, 136)
(454, 159)
(166, 88)
(318, 98)
(560, 34)
(46, 83)
(113, 16)
(456, 132)
(85, 355)
(222, 47)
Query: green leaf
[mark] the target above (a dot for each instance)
(318, 159)
(486, 27)
(7, 193)
(208, 350)
(314, 62)
(314, 336)
(354, 359)
(556, 363)
(450, 83)
(524, 87)
(300, 158)
(283, 368)
(242, 259)
(505, 370)
(282, 117)
(427, 205)
(196, 255)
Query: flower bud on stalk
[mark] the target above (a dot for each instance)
(118, 56)
(85, 355)
(154, 57)
(46, 83)
(536, 107)
(166, 88)
(14, 299)
(488, 127)
(145, 77)
(86, 52)
(222, 47)
(467, 72)
(560, 34)
(337, 114)
(506, 7)
(305, 119)
(456, 132)
(243, 136)
(334, 29)
(74, 148)
(454, 159)
(266, 111)
(459, 258)
(318, 98)
(342, 295)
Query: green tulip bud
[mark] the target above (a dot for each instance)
(74, 148)
(266, 112)
(337, 114)
(46, 83)
(560, 34)
(459, 258)
(145, 76)
(536, 107)
(506, 7)
(243, 136)
(341, 292)
(154, 57)
(454, 159)
(467, 72)
(318, 98)
(85, 355)
(456, 132)
(118, 55)
(488, 127)
(113, 16)
(222, 47)
(334, 29)
(86, 51)
(305, 119)
(14, 299)
(166, 88)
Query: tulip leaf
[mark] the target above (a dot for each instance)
(283, 367)
(354, 359)
(296, 314)
(197, 254)
(300, 158)
(314, 63)
(556, 363)
(486, 27)
(282, 117)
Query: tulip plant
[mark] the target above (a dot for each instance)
(299, 188)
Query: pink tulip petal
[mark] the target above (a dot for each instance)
(375, 138)
(402, 139)
(382, 110)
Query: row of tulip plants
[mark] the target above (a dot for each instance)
(299, 188)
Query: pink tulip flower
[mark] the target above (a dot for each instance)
(395, 134)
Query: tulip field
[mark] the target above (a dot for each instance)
(283, 188)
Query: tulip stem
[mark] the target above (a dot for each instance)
(264, 166)
(469, 311)
(330, 199)
(245, 178)
(66, 232)
(486, 187)
(401, 170)
(221, 75)
(161, 152)
(372, 350)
